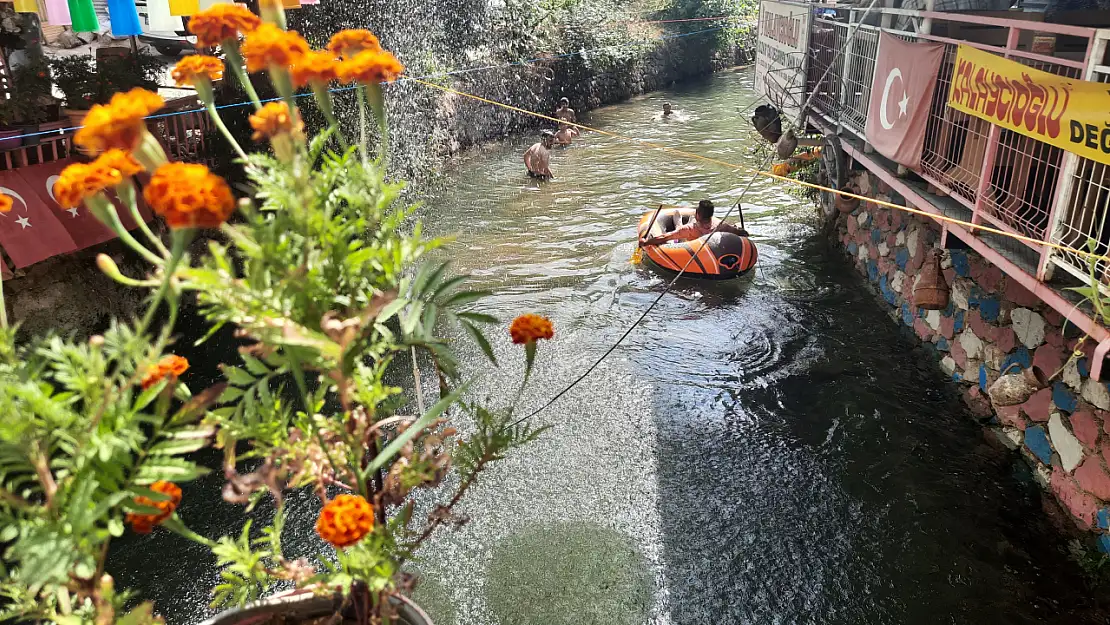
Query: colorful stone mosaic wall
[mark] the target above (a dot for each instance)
(992, 323)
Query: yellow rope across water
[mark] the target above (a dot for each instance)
(972, 227)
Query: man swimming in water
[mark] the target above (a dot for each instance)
(667, 110)
(703, 224)
(566, 133)
(538, 157)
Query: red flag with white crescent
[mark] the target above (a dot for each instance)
(901, 96)
(30, 232)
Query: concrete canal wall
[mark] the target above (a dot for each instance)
(992, 322)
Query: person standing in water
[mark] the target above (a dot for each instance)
(703, 224)
(566, 114)
(538, 157)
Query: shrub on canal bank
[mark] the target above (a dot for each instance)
(327, 289)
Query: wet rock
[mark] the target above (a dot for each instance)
(971, 343)
(897, 282)
(912, 240)
(1092, 477)
(932, 318)
(948, 364)
(1085, 427)
(1029, 327)
(1020, 295)
(1063, 398)
(961, 293)
(1011, 416)
(993, 357)
(68, 40)
(1065, 443)
(1049, 359)
(977, 403)
(1095, 393)
(1037, 406)
(1036, 441)
(1081, 505)
(1010, 437)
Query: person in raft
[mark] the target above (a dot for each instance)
(703, 224)
(538, 157)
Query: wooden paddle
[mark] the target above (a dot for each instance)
(638, 255)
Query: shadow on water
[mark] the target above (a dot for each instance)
(853, 489)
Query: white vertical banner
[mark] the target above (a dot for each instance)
(159, 19)
(782, 53)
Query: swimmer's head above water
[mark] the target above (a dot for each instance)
(667, 110)
(564, 102)
(547, 138)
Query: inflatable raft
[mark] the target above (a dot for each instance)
(717, 256)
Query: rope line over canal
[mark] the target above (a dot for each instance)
(794, 181)
(460, 72)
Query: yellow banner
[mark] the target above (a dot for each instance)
(1065, 112)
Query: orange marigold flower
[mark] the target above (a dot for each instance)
(5, 203)
(274, 119)
(370, 67)
(119, 123)
(269, 45)
(80, 181)
(170, 366)
(314, 66)
(144, 523)
(345, 520)
(197, 67)
(118, 161)
(189, 196)
(221, 22)
(529, 328)
(348, 43)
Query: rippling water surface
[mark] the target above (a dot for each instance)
(770, 450)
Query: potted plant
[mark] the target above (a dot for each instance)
(32, 82)
(329, 288)
(74, 77)
(16, 114)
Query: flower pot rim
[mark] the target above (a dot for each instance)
(302, 600)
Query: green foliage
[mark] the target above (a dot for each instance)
(323, 276)
(85, 81)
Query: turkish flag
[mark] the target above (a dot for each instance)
(30, 232)
(85, 229)
(901, 96)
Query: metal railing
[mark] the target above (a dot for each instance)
(184, 136)
(1005, 179)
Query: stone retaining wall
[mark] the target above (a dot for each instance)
(991, 323)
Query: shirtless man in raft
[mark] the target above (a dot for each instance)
(703, 224)
(538, 157)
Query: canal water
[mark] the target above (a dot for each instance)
(771, 450)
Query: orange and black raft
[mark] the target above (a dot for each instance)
(718, 256)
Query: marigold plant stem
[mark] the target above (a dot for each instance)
(362, 142)
(103, 208)
(235, 60)
(323, 99)
(216, 119)
(128, 194)
(180, 238)
(3, 306)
